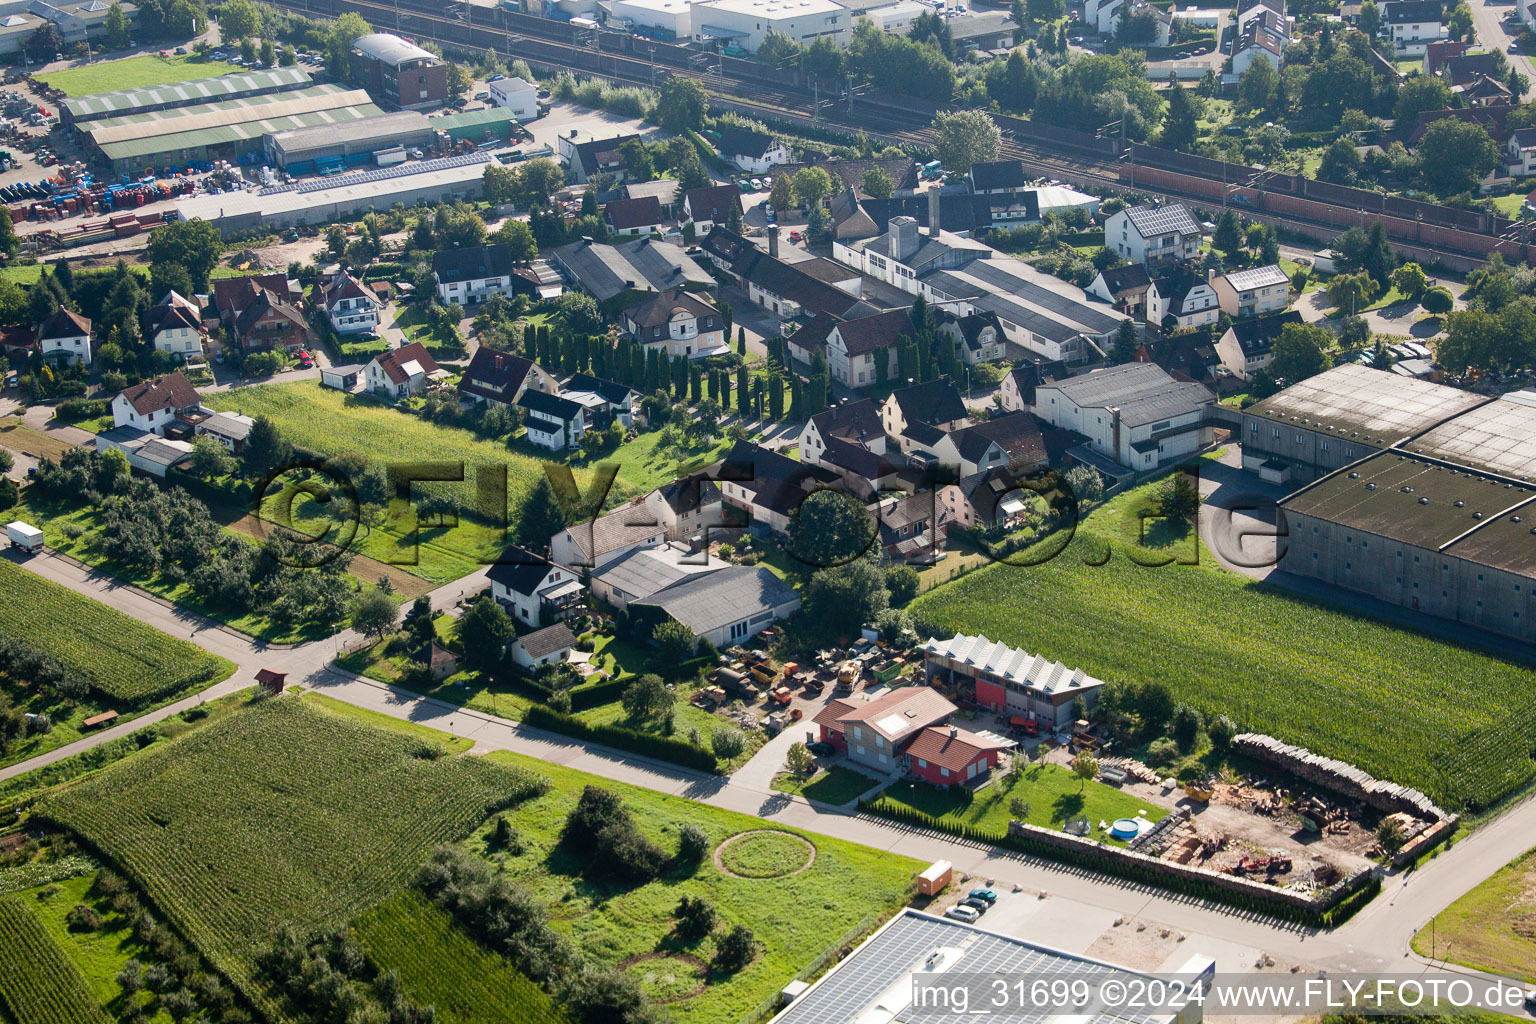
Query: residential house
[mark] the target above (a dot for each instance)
(351, 307)
(640, 216)
(728, 606)
(1129, 289)
(920, 414)
(875, 732)
(548, 646)
(1249, 10)
(912, 528)
(615, 272)
(600, 540)
(176, 329)
(1485, 91)
(1182, 299)
(1462, 69)
(1154, 235)
(1520, 152)
(765, 485)
(713, 204)
(261, 311)
(849, 440)
(534, 590)
(679, 322)
(472, 275)
(400, 371)
(753, 151)
(799, 289)
(228, 428)
(855, 349)
(995, 497)
(1438, 55)
(604, 400)
(585, 156)
(978, 335)
(1017, 391)
(1253, 292)
(1413, 24)
(552, 422)
(1187, 356)
(1136, 414)
(1024, 686)
(65, 337)
(1263, 38)
(153, 405)
(502, 377)
(949, 755)
(998, 177)
(146, 452)
(688, 507)
(1012, 441)
(1248, 345)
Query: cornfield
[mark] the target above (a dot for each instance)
(38, 983)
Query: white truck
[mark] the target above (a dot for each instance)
(22, 535)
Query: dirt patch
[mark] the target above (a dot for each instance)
(720, 852)
(1139, 945)
(668, 981)
(361, 566)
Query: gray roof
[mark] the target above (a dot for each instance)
(230, 425)
(645, 265)
(1371, 406)
(1029, 298)
(349, 133)
(1143, 392)
(547, 640)
(1499, 437)
(1159, 220)
(1257, 277)
(390, 49)
(639, 574)
(630, 524)
(705, 603)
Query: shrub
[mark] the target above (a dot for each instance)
(727, 742)
(560, 701)
(734, 950)
(662, 748)
(1186, 726)
(695, 918)
(1162, 752)
(692, 843)
(1222, 730)
(902, 581)
(624, 853)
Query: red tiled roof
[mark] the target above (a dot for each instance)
(951, 747)
(916, 707)
(393, 362)
(831, 715)
(173, 391)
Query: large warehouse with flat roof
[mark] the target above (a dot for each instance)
(330, 147)
(1341, 415)
(1445, 523)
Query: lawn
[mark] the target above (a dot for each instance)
(1055, 796)
(25, 274)
(836, 785)
(1491, 928)
(443, 968)
(412, 321)
(1375, 694)
(38, 984)
(797, 918)
(280, 814)
(133, 73)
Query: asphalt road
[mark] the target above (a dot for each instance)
(1494, 34)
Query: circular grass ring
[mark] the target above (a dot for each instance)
(765, 853)
(682, 977)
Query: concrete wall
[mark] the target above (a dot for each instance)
(1309, 453)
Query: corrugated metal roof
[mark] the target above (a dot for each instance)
(249, 130)
(195, 91)
(220, 118)
(239, 103)
(1143, 392)
(472, 118)
(381, 127)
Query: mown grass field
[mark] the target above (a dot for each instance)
(443, 968)
(38, 984)
(797, 918)
(1450, 721)
(835, 785)
(128, 663)
(133, 73)
(282, 813)
(1491, 928)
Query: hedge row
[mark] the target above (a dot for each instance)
(584, 698)
(382, 272)
(662, 748)
(1132, 872)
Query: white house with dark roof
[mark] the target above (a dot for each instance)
(599, 540)
(998, 177)
(153, 405)
(548, 646)
(351, 308)
(1002, 442)
(1153, 235)
(1253, 292)
(534, 590)
(1520, 152)
(1248, 345)
(979, 335)
(1126, 288)
(638, 216)
(678, 322)
(1261, 39)
(687, 507)
(1181, 299)
(472, 275)
(604, 400)
(728, 606)
(1136, 414)
(912, 527)
(752, 151)
(553, 422)
(65, 337)
(855, 348)
(502, 377)
(705, 207)
(765, 485)
(1413, 24)
(401, 371)
(1018, 388)
(607, 271)
(228, 428)
(175, 329)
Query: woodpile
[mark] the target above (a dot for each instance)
(1339, 776)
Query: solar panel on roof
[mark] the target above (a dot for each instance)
(379, 174)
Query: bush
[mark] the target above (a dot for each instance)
(1222, 730)
(902, 582)
(82, 918)
(727, 742)
(692, 843)
(695, 918)
(1438, 300)
(1162, 752)
(1186, 727)
(734, 950)
(624, 853)
(73, 410)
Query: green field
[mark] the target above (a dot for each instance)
(38, 984)
(279, 814)
(133, 73)
(1055, 796)
(443, 968)
(848, 890)
(1491, 928)
(835, 785)
(1398, 704)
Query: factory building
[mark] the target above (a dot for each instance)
(227, 129)
(328, 148)
(489, 124)
(344, 197)
(76, 22)
(659, 19)
(400, 75)
(1340, 416)
(77, 109)
(744, 24)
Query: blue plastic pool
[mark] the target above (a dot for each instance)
(1125, 828)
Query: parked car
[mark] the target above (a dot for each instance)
(482, 96)
(496, 78)
(980, 906)
(962, 913)
(821, 749)
(986, 895)
(757, 184)
(795, 236)
(181, 51)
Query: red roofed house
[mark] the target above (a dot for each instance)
(400, 371)
(260, 312)
(876, 733)
(153, 405)
(946, 755)
(1024, 686)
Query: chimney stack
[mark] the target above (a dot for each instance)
(773, 240)
(933, 212)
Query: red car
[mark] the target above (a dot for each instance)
(795, 236)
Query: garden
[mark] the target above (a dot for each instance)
(1376, 693)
